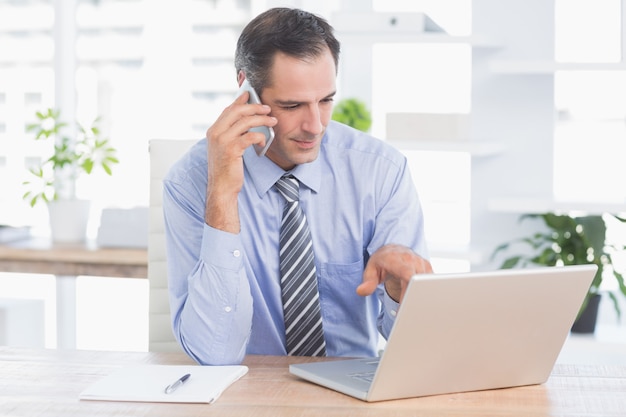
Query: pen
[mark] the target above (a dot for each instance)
(174, 385)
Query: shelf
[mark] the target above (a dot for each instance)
(529, 205)
(549, 67)
(439, 38)
(476, 41)
(476, 149)
(367, 27)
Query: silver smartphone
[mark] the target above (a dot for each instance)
(267, 131)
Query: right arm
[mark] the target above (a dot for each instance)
(209, 292)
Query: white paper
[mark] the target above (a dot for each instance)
(147, 383)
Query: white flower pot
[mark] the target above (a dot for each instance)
(68, 220)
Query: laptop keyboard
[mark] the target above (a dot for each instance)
(367, 376)
(363, 376)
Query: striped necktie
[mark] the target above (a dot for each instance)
(301, 307)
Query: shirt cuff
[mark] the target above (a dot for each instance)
(221, 249)
(390, 307)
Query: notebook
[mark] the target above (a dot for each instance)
(147, 383)
(466, 332)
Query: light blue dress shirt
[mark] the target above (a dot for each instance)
(224, 288)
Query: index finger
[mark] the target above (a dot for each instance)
(369, 284)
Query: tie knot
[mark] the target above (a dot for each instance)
(288, 187)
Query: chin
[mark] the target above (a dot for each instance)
(310, 155)
(298, 158)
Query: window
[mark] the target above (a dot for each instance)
(148, 69)
(590, 134)
(431, 78)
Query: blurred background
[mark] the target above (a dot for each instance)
(532, 93)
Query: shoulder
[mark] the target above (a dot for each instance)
(346, 142)
(190, 165)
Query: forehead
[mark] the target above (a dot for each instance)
(293, 76)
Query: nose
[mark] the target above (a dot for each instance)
(312, 122)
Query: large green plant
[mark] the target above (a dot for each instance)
(354, 113)
(70, 158)
(571, 240)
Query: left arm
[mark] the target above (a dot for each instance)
(398, 247)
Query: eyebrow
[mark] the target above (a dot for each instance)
(294, 102)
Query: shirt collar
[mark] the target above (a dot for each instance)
(264, 173)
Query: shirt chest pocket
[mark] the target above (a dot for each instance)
(338, 297)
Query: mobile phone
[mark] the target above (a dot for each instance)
(266, 130)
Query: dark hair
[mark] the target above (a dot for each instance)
(294, 32)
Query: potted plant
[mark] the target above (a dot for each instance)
(354, 113)
(54, 179)
(573, 240)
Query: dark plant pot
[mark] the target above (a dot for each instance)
(586, 322)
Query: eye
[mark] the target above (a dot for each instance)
(292, 107)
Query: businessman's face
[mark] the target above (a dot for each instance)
(301, 97)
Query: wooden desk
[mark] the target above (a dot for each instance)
(47, 383)
(40, 256)
(66, 262)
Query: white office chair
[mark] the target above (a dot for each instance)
(163, 153)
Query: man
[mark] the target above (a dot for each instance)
(223, 210)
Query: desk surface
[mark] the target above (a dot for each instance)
(40, 256)
(47, 383)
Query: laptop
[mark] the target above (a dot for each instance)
(466, 332)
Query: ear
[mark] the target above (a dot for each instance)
(240, 77)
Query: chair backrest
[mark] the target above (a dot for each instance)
(163, 153)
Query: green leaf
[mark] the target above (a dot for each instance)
(88, 165)
(618, 310)
(571, 240)
(76, 155)
(594, 229)
(499, 249)
(354, 113)
(511, 262)
(620, 281)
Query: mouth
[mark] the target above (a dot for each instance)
(306, 144)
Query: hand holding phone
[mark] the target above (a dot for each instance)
(267, 131)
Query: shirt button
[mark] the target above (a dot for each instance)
(228, 309)
(236, 253)
(393, 313)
